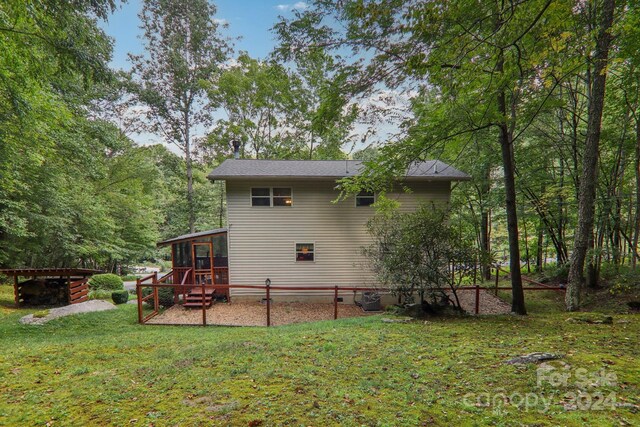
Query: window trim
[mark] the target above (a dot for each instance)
(295, 250)
(271, 205)
(358, 196)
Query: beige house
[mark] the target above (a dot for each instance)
(285, 225)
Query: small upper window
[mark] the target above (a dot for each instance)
(260, 197)
(282, 197)
(365, 198)
(305, 252)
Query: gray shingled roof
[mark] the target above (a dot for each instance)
(430, 170)
(192, 236)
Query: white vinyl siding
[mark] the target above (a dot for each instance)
(262, 241)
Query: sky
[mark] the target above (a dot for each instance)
(249, 19)
(249, 24)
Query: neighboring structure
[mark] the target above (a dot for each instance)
(50, 286)
(284, 223)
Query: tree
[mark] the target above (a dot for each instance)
(482, 62)
(586, 199)
(418, 253)
(278, 113)
(183, 51)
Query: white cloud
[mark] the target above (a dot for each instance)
(221, 21)
(298, 5)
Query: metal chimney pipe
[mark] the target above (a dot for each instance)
(236, 149)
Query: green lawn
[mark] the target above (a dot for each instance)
(104, 369)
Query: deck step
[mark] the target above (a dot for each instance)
(196, 299)
(193, 304)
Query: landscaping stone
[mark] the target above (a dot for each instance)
(532, 358)
(397, 320)
(54, 313)
(591, 318)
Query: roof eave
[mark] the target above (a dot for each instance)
(319, 178)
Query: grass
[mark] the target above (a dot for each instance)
(104, 369)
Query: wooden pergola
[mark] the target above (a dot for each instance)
(75, 279)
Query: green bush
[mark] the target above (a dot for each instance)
(109, 282)
(120, 297)
(165, 297)
(129, 277)
(100, 294)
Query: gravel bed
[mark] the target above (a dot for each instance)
(255, 314)
(283, 313)
(68, 310)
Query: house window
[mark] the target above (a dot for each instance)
(365, 198)
(282, 197)
(260, 197)
(305, 252)
(271, 196)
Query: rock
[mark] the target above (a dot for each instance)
(592, 319)
(532, 358)
(397, 320)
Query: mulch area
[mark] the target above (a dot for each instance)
(489, 303)
(283, 313)
(255, 314)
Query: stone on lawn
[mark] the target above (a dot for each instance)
(532, 358)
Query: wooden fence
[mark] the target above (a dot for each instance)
(268, 288)
(79, 291)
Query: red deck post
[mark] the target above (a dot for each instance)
(268, 305)
(204, 306)
(335, 303)
(156, 302)
(477, 299)
(139, 295)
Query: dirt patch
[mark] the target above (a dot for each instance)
(255, 314)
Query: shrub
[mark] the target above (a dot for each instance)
(109, 282)
(120, 297)
(129, 277)
(100, 294)
(165, 297)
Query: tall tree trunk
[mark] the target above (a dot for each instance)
(539, 248)
(586, 201)
(636, 230)
(508, 164)
(485, 244)
(187, 152)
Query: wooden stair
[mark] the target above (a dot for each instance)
(195, 299)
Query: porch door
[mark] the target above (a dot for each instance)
(203, 263)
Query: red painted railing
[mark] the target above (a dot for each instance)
(267, 288)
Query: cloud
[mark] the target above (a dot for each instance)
(221, 21)
(298, 5)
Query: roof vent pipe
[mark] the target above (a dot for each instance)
(236, 149)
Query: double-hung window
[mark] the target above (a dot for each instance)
(271, 196)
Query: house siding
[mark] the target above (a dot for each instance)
(262, 239)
